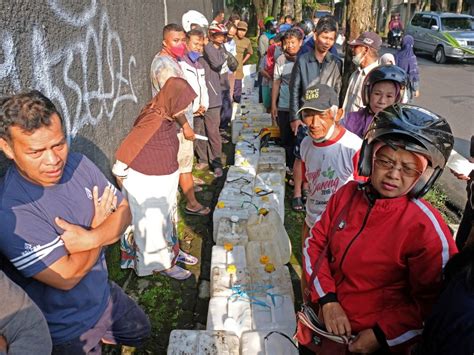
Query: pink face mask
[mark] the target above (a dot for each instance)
(178, 51)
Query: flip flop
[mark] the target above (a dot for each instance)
(186, 258)
(203, 211)
(297, 204)
(177, 272)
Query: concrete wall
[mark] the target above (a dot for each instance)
(91, 57)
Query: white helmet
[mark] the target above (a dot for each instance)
(193, 16)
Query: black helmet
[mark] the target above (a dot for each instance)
(307, 26)
(417, 130)
(382, 73)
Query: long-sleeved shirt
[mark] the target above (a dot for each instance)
(308, 71)
(383, 262)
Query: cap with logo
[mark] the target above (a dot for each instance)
(368, 39)
(319, 97)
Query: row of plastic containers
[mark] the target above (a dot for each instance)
(251, 310)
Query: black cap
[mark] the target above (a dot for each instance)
(319, 97)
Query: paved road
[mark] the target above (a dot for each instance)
(448, 89)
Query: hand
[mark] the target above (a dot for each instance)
(294, 126)
(188, 133)
(416, 93)
(335, 319)
(3, 344)
(274, 113)
(75, 238)
(365, 342)
(104, 206)
(200, 111)
(460, 176)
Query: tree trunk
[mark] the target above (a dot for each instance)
(441, 5)
(408, 14)
(374, 11)
(276, 8)
(288, 7)
(389, 15)
(261, 8)
(358, 21)
(459, 7)
(298, 10)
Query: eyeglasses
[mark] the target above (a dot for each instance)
(390, 165)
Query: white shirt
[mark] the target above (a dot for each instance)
(327, 166)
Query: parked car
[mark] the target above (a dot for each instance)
(428, 29)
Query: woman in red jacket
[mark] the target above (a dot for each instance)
(379, 249)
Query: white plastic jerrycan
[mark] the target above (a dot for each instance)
(223, 256)
(232, 230)
(274, 312)
(223, 280)
(267, 342)
(229, 313)
(203, 342)
(267, 225)
(227, 209)
(261, 252)
(276, 280)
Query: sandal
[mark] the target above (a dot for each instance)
(305, 193)
(177, 272)
(297, 204)
(203, 211)
(186, 258)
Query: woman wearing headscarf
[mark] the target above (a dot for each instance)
(374, 260)
(382, 87)
(147, 167)
(405, 58)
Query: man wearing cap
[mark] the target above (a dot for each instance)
(244, 52)
(365, 56)
(329, 153)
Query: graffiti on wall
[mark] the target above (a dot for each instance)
(87, 78)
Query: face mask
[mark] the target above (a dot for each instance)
(178, 51)
(357, 60)
(327, 136)
(194, 56)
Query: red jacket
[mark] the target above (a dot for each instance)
(384, 262)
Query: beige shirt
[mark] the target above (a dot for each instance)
(353, 99)
(243, 47)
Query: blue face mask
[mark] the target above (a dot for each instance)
(194, 56)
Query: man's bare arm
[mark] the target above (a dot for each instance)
(78, 239)
(68, 271)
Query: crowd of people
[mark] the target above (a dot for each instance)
(373, 251)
